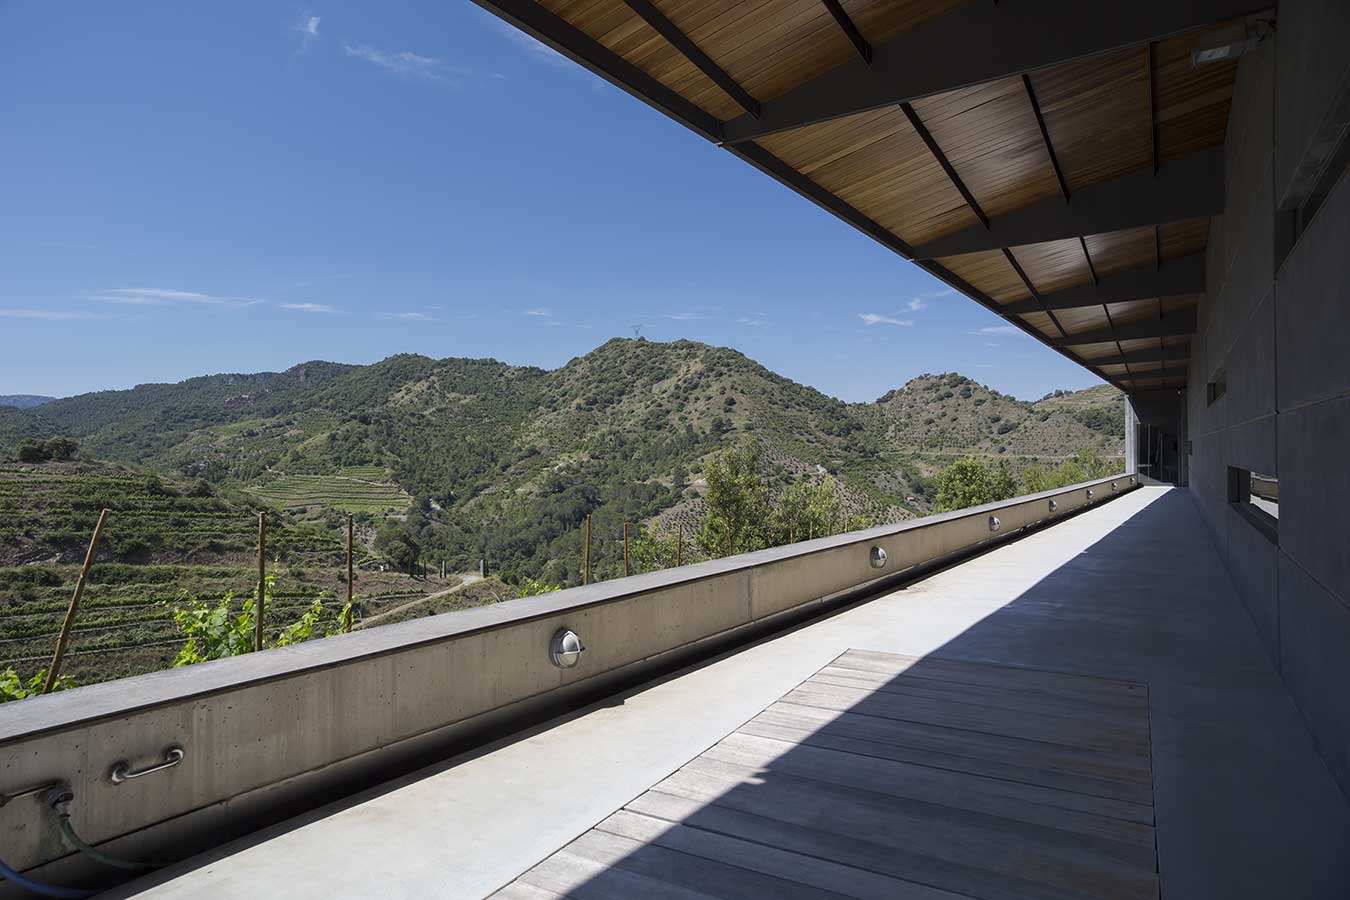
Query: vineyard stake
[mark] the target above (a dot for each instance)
(55, 668)
(626, 571)
(347, 626)
(731, 550)
(586, 577)
(679, 545)
(262, 582)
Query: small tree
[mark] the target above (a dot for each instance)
(397, 546)
(969, 482)
(805, 509)
(31, 451)
(738, 504)
(61, 448)
(649, 551)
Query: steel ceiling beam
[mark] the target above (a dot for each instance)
(1178, 324)
(1177, 277)
(692, 52)
(556, 33)
(1188, 188)
(1154, 354)
(979, 42)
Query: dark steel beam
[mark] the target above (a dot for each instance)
(1045, 136)
(1178, 277)
(924, 135)
(1155, 354)
(850, 30)
(1178, 324)
(979, 42)
(1165, 372)
(691, 51)
(536, 21)
(1185, 189)
(552, 31)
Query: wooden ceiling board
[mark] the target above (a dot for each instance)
(875, 162)
(988, 271)
(1192, 101)
(1082, 319)
(1054, 265)
(989, 134)
(1096, 113)
(766, 46)
(881, 20)
(1133, 311)
(613, 24)
(1183, 238)
(1118, 251)
(1104, 350)
(1041, 322)
(1179, 304)
(1115, 371)
(1140, 344)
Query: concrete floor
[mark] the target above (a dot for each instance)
(1132, 591)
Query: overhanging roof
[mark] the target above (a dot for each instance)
(1054, 160)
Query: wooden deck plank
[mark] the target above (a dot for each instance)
(1011, 799)
(1003, 748)
(1129, 708)
(851, 850)
(809, 870)
(990, 674)
(717, 879)
(1029, 852)
(991, 720)
(885, 776)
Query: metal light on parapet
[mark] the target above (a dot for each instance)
(565, 649)
(994, 523)
(877, 558)
(1054, 505)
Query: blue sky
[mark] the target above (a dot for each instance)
(190, 188)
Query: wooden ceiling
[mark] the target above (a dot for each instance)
(1056, 161)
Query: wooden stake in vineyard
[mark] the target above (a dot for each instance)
(679, 545)
(351, 596)
(262, 582)
(586, 557)
(626, 570)
(64, 638)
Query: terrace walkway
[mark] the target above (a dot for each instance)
(1086, 712)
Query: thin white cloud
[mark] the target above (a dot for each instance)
(165, 297)
(307, 26)
(413, 316)
(683, 316)
(1000, 329)
(535, 50)
(915, 304)
(52, 314)
(309, 307)
(542, 311)
(754, 320)
(408, 64)
(870, 319)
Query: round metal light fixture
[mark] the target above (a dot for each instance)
(565, 649)
(877, 558)
(1113, 486)
(1054, 505)
(994, 523)
(1089, 493)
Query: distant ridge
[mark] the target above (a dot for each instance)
(24, 401)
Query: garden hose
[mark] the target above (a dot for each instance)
(97, 855)
(41, 888)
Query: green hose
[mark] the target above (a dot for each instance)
(97, 855)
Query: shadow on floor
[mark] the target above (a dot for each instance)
(1120, 701)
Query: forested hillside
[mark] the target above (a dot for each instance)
(485, 459)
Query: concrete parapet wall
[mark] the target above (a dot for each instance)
(269, 731)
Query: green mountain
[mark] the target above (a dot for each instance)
(24, 401)
(505, 462)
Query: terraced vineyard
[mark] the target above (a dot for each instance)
(355, 489)
(162, 542)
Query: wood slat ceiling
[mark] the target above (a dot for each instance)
(984, 154)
